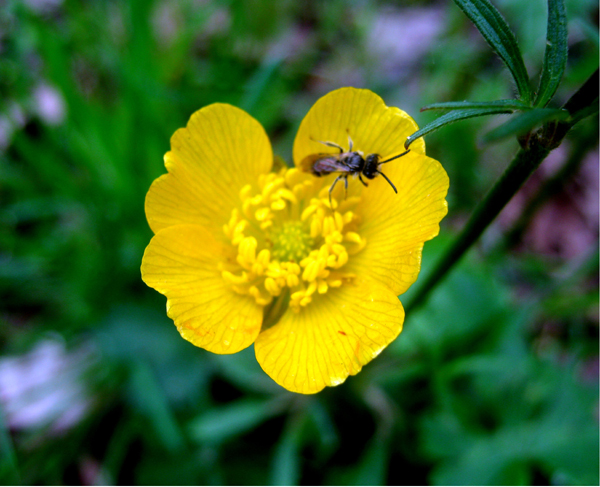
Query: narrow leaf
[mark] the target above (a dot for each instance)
(286, 463)
(454, 116)
(524, 122)
(496, 32)
(555, 57)
(152, 402)
(219, 424)
(373, 466)
(285, 469)
(258, 84)
(452, 105)
(9, 468)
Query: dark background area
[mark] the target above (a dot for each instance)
(493, 381)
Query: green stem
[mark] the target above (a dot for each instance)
(522, 166)
(550, 188)
(536, 148)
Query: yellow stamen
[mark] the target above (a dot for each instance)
(289, 236)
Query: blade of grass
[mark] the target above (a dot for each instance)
(9, 468)
(456, 105)
(497, 33)
(454, 116)
(372, 468)
(257, 85)
(555, 57)
(285, 468)
(219, 424)
(156, 408)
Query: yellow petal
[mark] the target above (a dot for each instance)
(395, 226)
(331, 338)
(360, 114)
(221, 150)
(182, 262)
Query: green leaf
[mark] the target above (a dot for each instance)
(323, 423)
(373, 466)
(286, 469)
(245, 372)
(561, 438)
(257, 85)
(219, 424)
(555, 57)
(524, 122)
(454, 116)
(9, 467)
(455, 105)
(118, 447)
(151, 400)
(496, 32)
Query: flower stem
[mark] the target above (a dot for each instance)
(535, 149)
(588, 139)
(524, 163)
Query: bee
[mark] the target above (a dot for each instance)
(351, 163)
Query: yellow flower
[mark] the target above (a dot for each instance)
(246, 255)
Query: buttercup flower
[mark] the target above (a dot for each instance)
(245, 255)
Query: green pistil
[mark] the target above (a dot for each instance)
(291, 242)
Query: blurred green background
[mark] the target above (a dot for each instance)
(493, 381)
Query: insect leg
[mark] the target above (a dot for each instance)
(395, 157)
(361, 179)
(350, 143)
(333, 186)
(330, 144)
(345, 186)
(387, 179)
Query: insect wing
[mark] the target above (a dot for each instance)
(309, 161)
(321, 164)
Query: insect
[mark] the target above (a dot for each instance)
(351, 163)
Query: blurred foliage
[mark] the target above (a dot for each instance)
(494, 381)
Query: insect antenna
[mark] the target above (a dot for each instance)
(388, 180)
(395, 157)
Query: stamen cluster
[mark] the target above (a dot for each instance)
(291, 239)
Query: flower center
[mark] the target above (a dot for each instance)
(291, 242)
(289, 238)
